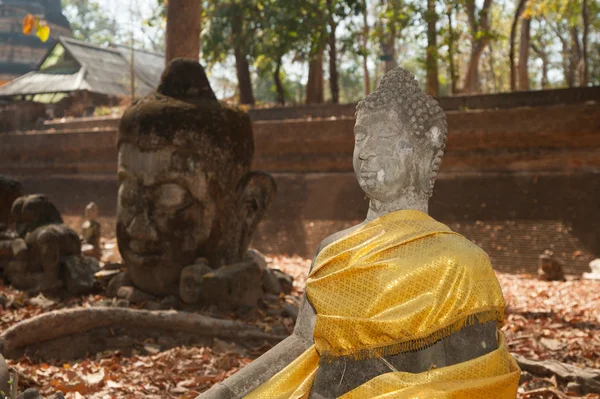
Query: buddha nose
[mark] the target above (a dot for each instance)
(367, 151)
(141, 228)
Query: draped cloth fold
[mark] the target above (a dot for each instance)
(401, 283)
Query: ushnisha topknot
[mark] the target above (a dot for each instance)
(399, 89)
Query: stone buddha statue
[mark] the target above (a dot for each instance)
(186, 193)
(398, 305)
(47, 256)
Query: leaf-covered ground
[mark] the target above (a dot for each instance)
(545, 320)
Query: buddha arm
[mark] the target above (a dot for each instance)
(262, 369)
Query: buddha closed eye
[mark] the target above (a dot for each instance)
(172, 197)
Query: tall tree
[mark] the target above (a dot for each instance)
(318, 39)
(524, 45)
(231, 25)
(585, 78)
(183, 29)
(364, 49)
(393, 18)
(242, 67)
(479, 27)
(431, 59)
(451, 41)
(333, 72)
(511, 51)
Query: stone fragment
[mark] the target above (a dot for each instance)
(29, 393)
(169, 302)
(286, 281)
(189, 282)
(270, 282)
(134, 295)
(257, 257)
(121, 279)
(79, 274)
(91, 232)
(550, 268)
(291, 311)
(10, 190)
(595, 274)
(4, 375)
(232, 286)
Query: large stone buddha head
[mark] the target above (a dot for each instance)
(185, 190)
(400, 135)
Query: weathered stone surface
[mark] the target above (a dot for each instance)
(285, 281)
(550, 268)
(189, 282)
(30, 393)
(291, 311)
(257, 257)
(270, 282)
(121, 279)
(134, 295)
(4, 376)
(48, 256)
(234, 285)
(595, 274)
(79, 274)
(33, 211)
(10, 190)
(91, 231)
(208, 200)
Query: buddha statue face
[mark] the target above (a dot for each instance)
(185, 190)
(398, 146)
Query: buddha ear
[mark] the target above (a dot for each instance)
(434, 140)
(256, 190)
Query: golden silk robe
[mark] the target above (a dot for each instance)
(401, 283)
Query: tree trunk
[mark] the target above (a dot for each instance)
(544, 57)
(431, 60)
(479, 25)
(511, 51)
(575, 58)
(366, 78)
(492, 69)
(472, 83)
(453, 74)
(314, 85)
(585, 78)
(242, 67)
(524, 45)
(333, 72)
(389, 50)
(183, 29)
(278, 84)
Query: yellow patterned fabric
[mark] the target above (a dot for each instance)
(401, 283)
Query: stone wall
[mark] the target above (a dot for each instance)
(515, 181)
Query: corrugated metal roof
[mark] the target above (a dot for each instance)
(104, 70)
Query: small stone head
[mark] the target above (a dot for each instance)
(400, 136)
(185, 190)
(32, 211)
(91, 211)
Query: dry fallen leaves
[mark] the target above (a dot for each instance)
(544, 320)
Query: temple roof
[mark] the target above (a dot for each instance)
(73, 65)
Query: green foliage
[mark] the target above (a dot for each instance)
(90, 23)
